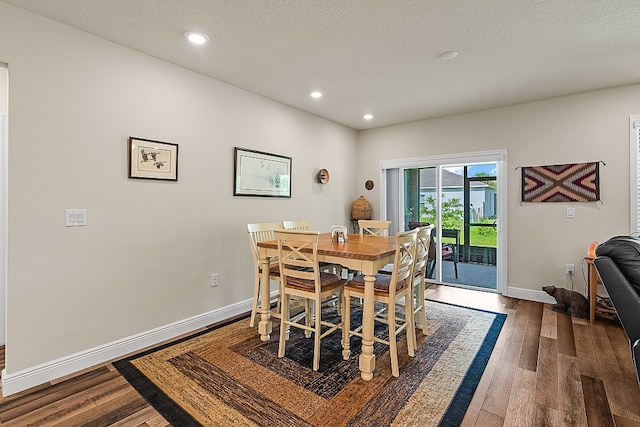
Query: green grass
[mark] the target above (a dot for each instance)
(480, 236)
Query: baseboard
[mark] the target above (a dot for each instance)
(530, 295)
(18, 381)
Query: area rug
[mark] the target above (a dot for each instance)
(227, 376)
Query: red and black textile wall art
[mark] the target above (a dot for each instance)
(575, 182)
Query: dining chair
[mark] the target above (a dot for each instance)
(390, 290)
(374, 227)
(260, 232)
(423, 245)
(301, 277)
(303, 224)
(449, 251)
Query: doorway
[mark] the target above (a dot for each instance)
(463, 197)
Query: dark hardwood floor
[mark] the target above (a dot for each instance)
(547, 369)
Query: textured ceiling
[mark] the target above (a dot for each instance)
(379, 56)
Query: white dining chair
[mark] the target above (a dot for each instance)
(419, 276)
(303, 224)
(390, 289)
(301, 277)
(374, 227)
(260, 232)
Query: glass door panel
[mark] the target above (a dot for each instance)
(465, 215)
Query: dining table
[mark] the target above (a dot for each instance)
(364, 253)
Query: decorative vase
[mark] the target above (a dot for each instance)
(361, 209)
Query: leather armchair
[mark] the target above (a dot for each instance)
(618, 264)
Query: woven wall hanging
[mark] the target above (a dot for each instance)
(575, 182)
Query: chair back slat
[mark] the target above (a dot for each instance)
(376, 228)
(261, 232)
(298, 255)
(403, 263)
(302, 225)
(422, 249)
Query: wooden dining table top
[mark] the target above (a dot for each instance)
(369, 248)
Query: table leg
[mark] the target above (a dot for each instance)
(264, 326)
(367, 358)
(592, 284)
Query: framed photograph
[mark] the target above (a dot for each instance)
(150, 159)
(261, 174)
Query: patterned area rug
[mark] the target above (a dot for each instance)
(227, 376)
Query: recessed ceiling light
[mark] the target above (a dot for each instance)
(196, 37)
(450, 54)
(317, 94)
(368, 116)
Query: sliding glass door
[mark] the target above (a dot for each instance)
(463, 198)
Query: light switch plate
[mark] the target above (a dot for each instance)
(571, 213)
(75, 217)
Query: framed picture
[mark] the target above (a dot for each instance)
(150, 159)
(261, 174)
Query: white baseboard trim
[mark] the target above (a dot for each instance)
(530, 295)
(18, 381)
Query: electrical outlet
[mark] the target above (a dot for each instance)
(569, 269)
(215, 280)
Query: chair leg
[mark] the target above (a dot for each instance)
(431, 268)
(423, 307)
(317, 333)
(393, 348)
(254, 306)
(410, 328)
(308, 318)
(346, 325)
(284, 317)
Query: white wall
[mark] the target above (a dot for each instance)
(145, 258)
(586, 127)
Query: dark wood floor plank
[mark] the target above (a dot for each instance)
(107, 413)
(137, 418)
(72, 405)
(620, 345)
(520, 322)
(521, 408)
(545, 416)
(512, 304)
(497, 399)
(623, 400)
(546, 391)
(596, 403)
(487, 419)
(157, 421)
(625, 422)
(45, 394)
(475, 406)
(55, 393)
(571, 410)
(529, 353)
(585, 350)
(566, 342)
(549, 327)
